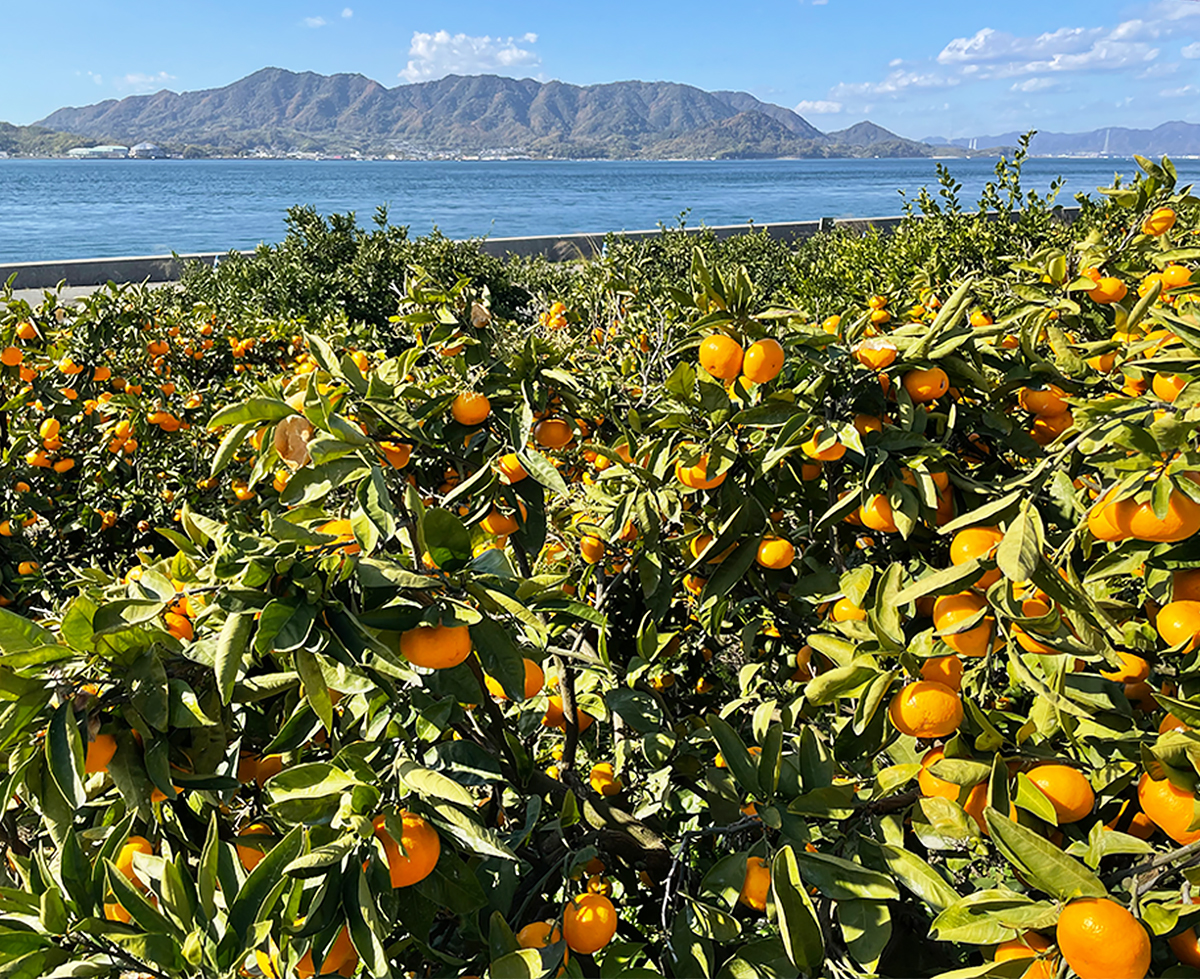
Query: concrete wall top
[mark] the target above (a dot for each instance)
(159, 269)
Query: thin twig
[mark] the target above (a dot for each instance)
(684, 842)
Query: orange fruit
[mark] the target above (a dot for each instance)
(831, 453)
(756, 885)
(11, 356)
(589, 923)
(554, 716)
(980, 319)
(344, 533)
(696, 477)
(1185, 585)
(397, 454)
(1068, 790)
(470, 408)
(1047, 401)
(775, 553)
(947, 670)
(422, 847)
(510, 468)
(845, 610)
(541, 934)
(721, 356)
(876, 353)
(436, 647)
(926, 385)
(1101, 940)
(180, 626)
(1176, 276)
(1046, 428)
(1133, 669)
(925, 709)
(553, 433)
(1027, 947)
(977, 542)
(1109, 290)
(100, 751)
(604, 782)
(1179, 622)
(1186, 945)
(591, 549)
(1160, 221)
(500, 524)
(1169, 807)
(1168, 386)
(268, 766)
(865, 424)
(877, 514)
(535, 679)
(930, 784)
(124, 861)
(251, 856)
(763, 361)
(1140, 522)
(950, 610)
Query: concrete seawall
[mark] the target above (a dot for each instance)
(82, 275)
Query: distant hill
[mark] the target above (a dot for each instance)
(277, 111)
(37, 141)
(1171, 139)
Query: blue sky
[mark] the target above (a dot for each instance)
(920, 68)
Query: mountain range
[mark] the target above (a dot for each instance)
(1170, 139)
(277, 111)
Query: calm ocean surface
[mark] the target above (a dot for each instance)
(60, 209)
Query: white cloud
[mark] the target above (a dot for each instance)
(1191, 50)
(818, 107)
(313, 22)
(1178, 93)
(437, 55)
(895, 83)
(141, 84)
(98, 79)
(1034, 85)
(347, 13)
(994, 54)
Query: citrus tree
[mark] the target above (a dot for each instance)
(664, 623)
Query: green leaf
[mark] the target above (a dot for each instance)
(253, 411)
(362, 921)
(284, 626)
(918, 876)
(231, 647)
(1020, 551)
(19, 635)
(539, 467)
(525, 963)
(206, 872)
(230, 443)
(316, 691)
(500, 656)
(798, 924)
(446, 539)
(64, 754)
(1043, 864)
(318, 862)
(736, 755)
(432, 785)
(867, 928)
(251, 903)
(844, 880)
(945, 581)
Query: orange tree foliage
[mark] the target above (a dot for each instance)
(474, 627)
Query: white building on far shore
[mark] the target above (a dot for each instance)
(147, 151)
(99, 153)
